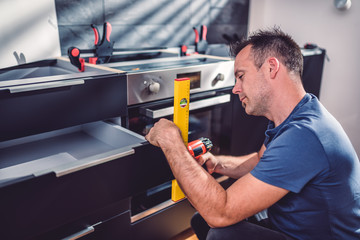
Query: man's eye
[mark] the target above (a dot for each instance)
(241, 76)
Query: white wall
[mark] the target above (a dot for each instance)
(28, 29)
(339, 33)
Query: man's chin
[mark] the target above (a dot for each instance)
(248, 110)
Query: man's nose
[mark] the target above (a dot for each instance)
(237, 88)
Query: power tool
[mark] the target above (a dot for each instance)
(199, 147)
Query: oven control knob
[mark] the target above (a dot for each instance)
(154, 87)
(219, 77)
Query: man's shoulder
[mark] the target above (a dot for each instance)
(297, 133)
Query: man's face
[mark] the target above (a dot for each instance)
(251, 84)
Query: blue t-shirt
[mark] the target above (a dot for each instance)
(310, 155)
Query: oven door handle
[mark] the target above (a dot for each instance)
(46, 85)
(209, 102)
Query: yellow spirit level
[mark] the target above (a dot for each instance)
(181, 119)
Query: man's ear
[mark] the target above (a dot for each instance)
(274, 66)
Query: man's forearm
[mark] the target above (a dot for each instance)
(201, 189)
(236, 167)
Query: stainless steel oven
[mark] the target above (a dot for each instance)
(150, 94)
(150, 97)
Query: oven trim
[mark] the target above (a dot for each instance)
(167, 111)
(165, 205)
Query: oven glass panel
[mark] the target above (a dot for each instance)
(194, 78)
(211, 122)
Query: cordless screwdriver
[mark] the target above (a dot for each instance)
(199, 147)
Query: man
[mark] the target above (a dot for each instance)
(306, 174)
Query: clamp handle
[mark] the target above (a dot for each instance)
(104, 49)
(107, 31)
(203, 32)
(106, 34)
(96, 33)
(201, 44)
(196, 35)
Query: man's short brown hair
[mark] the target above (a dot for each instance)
(272, 43)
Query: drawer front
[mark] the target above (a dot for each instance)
(43, 204)
(40, 109)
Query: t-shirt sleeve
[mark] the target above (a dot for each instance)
(291, 160)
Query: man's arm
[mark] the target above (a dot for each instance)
(217, 206)
(234, 167)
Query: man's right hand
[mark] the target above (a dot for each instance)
(231, 166)
(210, 161)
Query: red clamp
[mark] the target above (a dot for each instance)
(183, 50)
(74, 55)
(103, 49)
(201, 43)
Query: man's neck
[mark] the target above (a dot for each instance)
(285, 103)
